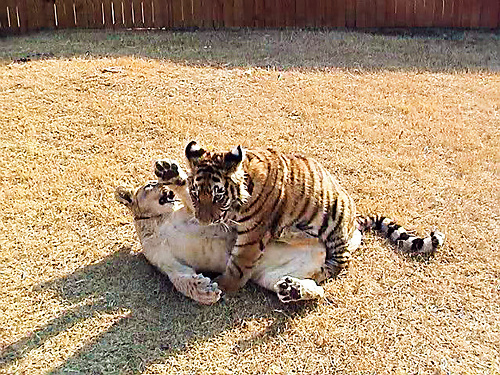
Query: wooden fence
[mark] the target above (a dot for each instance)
(28, 15)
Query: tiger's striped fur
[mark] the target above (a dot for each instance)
(260, 193)
(263, 192)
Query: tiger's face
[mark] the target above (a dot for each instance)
(216, 183)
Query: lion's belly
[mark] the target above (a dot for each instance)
(202, 248)
(297, 258)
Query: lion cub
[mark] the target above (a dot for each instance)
(177, 245)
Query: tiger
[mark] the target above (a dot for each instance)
(262, 192)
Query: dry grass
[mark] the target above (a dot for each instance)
(418, 143)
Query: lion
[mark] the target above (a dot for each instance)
(174, 242)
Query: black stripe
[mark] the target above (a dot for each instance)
(237, 268)
(261, 208)
(331, 212)
(262, 247)
(435, 241)
(265, 184)
(378, 222)
(417, 244)
(249, 184)
(307, 221)
(247, 230)
(248, 243)
(392, 228)
(265, 199)
(205, 169)
(404, 236)
(302, 195)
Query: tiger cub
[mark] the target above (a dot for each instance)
(262, 192)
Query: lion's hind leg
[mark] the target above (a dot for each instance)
(291, 289)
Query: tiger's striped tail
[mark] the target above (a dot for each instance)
(404, 241)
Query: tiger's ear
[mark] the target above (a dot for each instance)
(193, 153)
(233, 159)
(124, 195)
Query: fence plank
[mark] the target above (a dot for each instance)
(228, 13)
(197, 14)
(270, 13)
(62, 14)
(238, 13)
(248, 13)
(259, 13)
(218, 13)
(361, 13)
(81, 13)
(449, 13)
(310, 13)
(90, 7)
(4, 23)
(11, 22)
(461, 18)
(490, 14)
(420, 7)
(339, 8)
(300, 13)
(426, 17)
(475, 13)
(329, 16)
(438, 14)
(288, 9)
(400, 13)
(29, 12)
(371, 12)
(176, 13)
(206, 12)
(187, 13)
(319, 12)
(350, 13)
(380, 13)
(410, 13)
(390, 14)
(39, 14)
(160, 11)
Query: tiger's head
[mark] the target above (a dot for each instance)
(216, 183)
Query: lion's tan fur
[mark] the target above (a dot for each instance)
(179, 247)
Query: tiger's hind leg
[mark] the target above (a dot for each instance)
(290, 289)
(338, 253)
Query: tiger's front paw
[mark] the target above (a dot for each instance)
(170, 173)
(228, 284)
(205, 291)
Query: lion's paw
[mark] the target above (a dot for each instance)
(291, 289)
(170, 173)
(205, 290)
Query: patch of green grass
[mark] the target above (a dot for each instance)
(282, 49)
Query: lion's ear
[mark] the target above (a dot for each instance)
(124, 195)
(194, 153)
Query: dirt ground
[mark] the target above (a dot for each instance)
(413, 134)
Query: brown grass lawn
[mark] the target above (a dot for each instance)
(411, 126)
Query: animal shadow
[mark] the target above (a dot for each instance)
(154, 320)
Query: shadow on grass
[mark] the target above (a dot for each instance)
(404, 49)
(156, 321)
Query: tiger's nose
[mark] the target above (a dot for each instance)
(204, 215)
